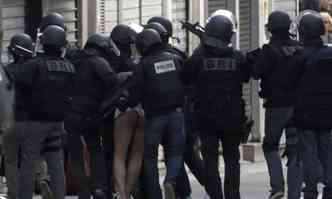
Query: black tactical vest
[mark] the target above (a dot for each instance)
(220, 93)
(163, 88)
(53, 88)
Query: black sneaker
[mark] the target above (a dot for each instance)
(169, 191)
(276, 195)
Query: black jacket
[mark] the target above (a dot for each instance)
(273, 65)
(11, 70)
(95, 82)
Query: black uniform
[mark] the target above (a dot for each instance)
(312, 114)
(94, 83)
(44, 85)
(161, 93)
(218, 75)
(273, 67)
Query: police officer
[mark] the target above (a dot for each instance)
(273, 64)
(192, 155)
(165, 36)
(219, 72)
(94, 82)
(158, 81)
(313, 105)
(20, 49)
(45, 84)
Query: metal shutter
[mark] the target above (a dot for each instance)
(68, 9)
(214, 5)
(245, 45)
(108, 15)
(290, 6)
(129, 11)
(12, 22)
(150, 8)
(179, 13)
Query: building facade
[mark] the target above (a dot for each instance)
(84, 17)
(25, 15)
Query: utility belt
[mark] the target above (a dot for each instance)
(165, 111)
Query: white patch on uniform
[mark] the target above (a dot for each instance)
(1, 77)
(164, 66)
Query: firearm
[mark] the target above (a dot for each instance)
(199, 31)
(108, 107)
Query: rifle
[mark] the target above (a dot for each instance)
(108, 106)
(199, 31)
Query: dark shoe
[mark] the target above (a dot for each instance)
(310, 195)
(45, 190)
(99, 194)
(276, 195)
(169, 191)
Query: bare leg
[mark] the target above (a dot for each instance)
(123, 131)
(135, 156)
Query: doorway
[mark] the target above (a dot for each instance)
(33, 17)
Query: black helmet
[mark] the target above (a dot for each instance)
(220, 27)
(123, 35)
(147, 39)
(278, 21)
(21, 45)
(160, 29)
(52, 19)
(100, 42)
(164, 22)
(54, 35)
(311, 27)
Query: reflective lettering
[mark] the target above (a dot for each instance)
(224, 64)
(164, 66)
(59, 66)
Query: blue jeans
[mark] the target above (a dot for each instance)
(170, 127)
(276, 120)
(316, 144)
